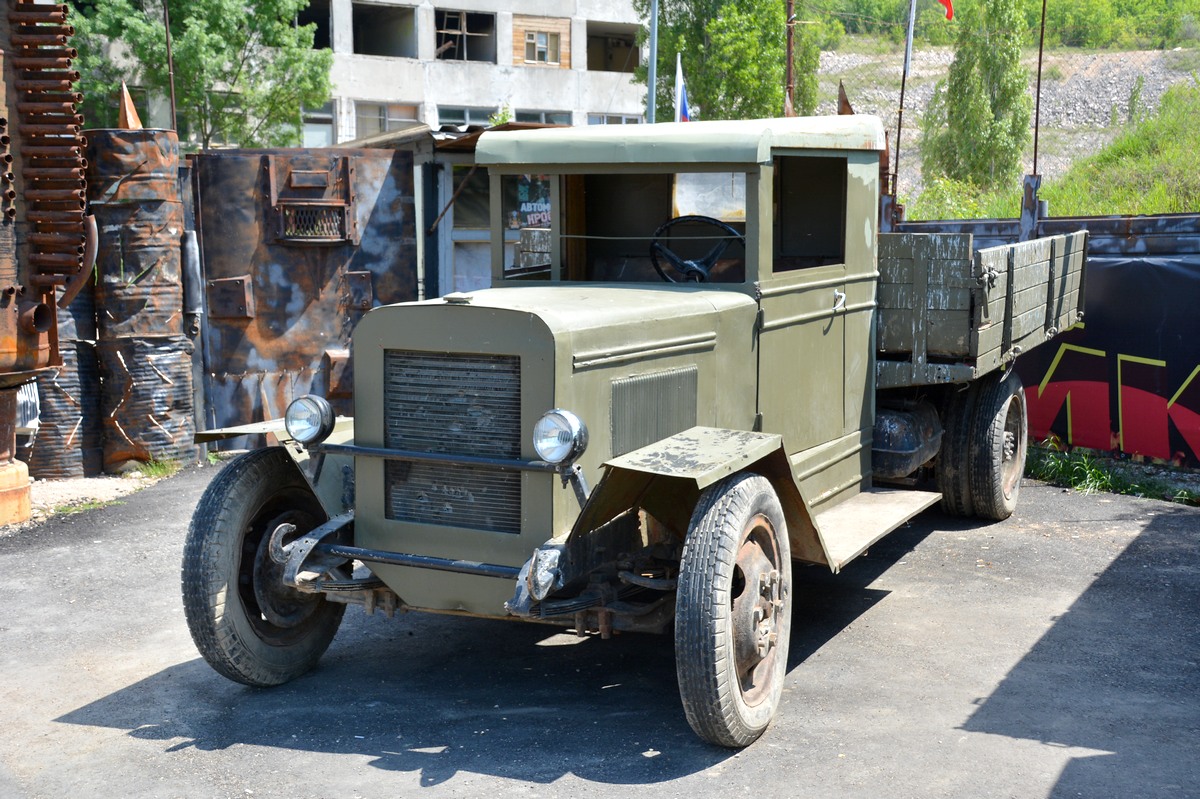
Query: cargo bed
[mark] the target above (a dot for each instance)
(949, 313)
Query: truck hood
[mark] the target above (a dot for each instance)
(578, 308)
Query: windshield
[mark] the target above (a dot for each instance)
(615, 227)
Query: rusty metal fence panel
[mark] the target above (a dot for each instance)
(67, 441)
(296, 245)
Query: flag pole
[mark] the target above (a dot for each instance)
(912, 18)
(1037, 113)
(789, 80)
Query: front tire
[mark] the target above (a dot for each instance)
(733, 611)
(249, 625)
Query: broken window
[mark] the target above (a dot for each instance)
(384, 30)
(611, 47)
(465, 36)
(317, 12)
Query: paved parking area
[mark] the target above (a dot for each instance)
(1052, 655)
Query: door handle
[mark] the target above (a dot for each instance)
(839, 300)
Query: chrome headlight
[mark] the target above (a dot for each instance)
(309, 419)
(559, 437)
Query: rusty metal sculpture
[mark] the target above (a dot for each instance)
(43, 242)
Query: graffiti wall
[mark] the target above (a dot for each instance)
(1128, 378)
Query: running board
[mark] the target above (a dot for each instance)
(847, 529)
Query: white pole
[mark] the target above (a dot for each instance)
(652, 78)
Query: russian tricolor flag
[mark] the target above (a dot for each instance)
(681, 106)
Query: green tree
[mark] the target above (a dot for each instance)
(733, 56)
(243, 69)
(805, 61)
(977, 124)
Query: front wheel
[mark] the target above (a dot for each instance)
(246, 622)
(733, 611)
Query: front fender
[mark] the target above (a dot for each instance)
(330, 476)
(666, 479)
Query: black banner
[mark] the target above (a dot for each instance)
(1128, 377)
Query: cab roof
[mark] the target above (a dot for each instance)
(749, 141)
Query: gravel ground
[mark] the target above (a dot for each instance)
(51, 498)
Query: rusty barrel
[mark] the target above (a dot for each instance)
(133, 189)
(147, 400)
(67, 441)
(145, 359)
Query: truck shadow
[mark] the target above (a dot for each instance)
(1117, 673)
(437, 695)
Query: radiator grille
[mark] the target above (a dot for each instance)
(453, 404)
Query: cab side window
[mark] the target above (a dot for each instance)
(810, 212)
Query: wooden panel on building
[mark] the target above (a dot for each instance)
(522, 25)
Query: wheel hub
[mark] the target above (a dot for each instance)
(279, 603)
(757, 603)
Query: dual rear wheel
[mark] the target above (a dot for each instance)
(982, 458)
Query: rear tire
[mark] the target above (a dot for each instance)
(952, 468)
(1001, 437)
(733, 611)
(249, 625)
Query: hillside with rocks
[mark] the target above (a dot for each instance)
(1086, 98)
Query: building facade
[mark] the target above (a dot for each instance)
(461, 61)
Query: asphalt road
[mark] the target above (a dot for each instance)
(1052, 655)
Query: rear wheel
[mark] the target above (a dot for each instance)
(952, 467)
(733, 612)
(1001, 433)
(248, 624)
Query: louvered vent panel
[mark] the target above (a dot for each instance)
(454, 404)
(647, 408)
(312, 222)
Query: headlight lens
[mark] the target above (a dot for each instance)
(559, 436)
(309, 419)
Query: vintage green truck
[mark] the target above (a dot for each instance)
(708, 365)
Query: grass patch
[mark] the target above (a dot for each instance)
(1182, 60)
(945, 198)
(83, 506)
(1084, 471)
(157, 470)
(1153, 168)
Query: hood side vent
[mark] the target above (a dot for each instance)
(650, 407)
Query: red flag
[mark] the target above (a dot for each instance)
(949, 8)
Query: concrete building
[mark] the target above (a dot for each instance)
(460, 61)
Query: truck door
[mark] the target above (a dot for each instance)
(816, 298)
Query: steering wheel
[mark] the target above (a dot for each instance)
(695, 270)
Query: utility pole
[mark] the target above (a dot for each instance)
(170, 63)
